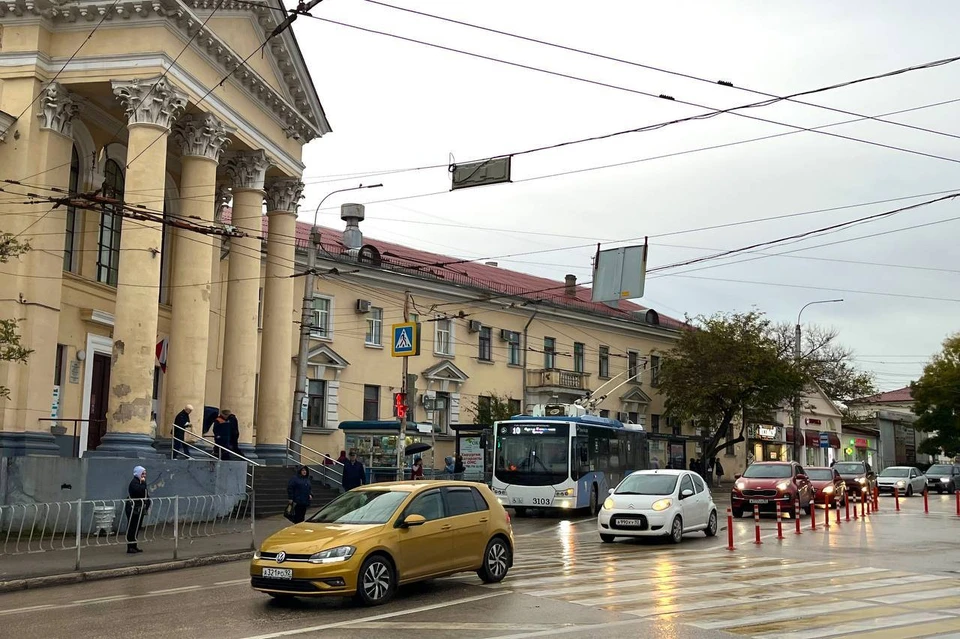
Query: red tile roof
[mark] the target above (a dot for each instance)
(890, 397)
(475, 274)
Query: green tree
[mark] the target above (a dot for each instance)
(488, 409)
(936, 400)
(727, 366)
(11, 349)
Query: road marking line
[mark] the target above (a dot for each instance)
(464, 625)
(388, 615)
(774, 615)
(232, 582)
(96, 600)
(659, 609)
(879, 583)
(14, 611)
(857, 626)
(170, 590)
(772, 581)
(908, 597)
(583, 629)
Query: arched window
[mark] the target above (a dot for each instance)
(111, 221)
(70, 261)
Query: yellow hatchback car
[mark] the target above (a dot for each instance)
(372, 539)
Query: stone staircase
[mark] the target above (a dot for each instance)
(270, 488)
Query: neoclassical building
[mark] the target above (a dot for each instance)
(148, 103)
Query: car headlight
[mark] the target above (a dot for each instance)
(333, 555)
(828, 490)
(608, 503)
(662, 504)
(564, 493)
(784, 485)
(256, 554)
(862, 480)
(901, 484)
(741, 485)
(945, 480)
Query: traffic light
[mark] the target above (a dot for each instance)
(400, 405)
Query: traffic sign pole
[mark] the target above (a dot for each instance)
(401, 439)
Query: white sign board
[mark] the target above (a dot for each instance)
(472, 452)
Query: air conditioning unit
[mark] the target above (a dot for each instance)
(506, 335)
(363, 306)
(475, 326)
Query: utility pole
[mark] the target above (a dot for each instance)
(796, 360)
(306, 321)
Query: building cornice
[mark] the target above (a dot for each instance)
(303, 119)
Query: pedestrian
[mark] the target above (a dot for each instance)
(448, 465)
(327, 460)
(210, 414)
(342, 459)
(300, 494)
(417, 471)
(353, 472)
(138, 503)
(655, 463)
(234, 435)
(458, 467)
(718, 469)
(180, 425)
(221, 435)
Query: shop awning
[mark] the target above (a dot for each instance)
(381, 425)
(811, 438)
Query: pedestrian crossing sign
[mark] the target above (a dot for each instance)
(406, 340)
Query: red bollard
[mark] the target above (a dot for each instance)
(846, 497)
(796, 514)
(863, 503)
(779, 522)
(855, 518)
(756, 522)
(957, 493)
(729, 529)
(926, 502)
(876, 498)
(838, 514)
(813, 514)
(896, 497)
(826, 511)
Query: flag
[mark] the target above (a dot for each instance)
(162, 346)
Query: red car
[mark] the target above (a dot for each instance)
(765, 484)
(827, 485)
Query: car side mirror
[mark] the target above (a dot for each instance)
(611, 491)
(802, 477)
(737, 476)
(413, 520)
(686, 493)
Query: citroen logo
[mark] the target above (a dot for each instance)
(630, 506)
(281, 557)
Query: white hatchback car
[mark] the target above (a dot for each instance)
(650, 503)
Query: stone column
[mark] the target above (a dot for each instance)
(202, 139)
(151, 106)
(247, 170)
(276, 343)
(29, 284)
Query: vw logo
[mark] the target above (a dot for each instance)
(281, 557)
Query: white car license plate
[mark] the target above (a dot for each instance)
(759, 501)
(628, 522)
(278, 573)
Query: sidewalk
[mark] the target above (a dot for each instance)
(157, 554)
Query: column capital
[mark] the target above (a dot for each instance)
(246, 169)
(284, 195)
(57, 109)
(201, 135)
(221, 197)
(155, 101)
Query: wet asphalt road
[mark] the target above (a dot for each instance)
(891, 576)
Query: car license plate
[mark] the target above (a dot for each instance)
(629, 522)
(278, 573)
(516, 500)
(759, 501)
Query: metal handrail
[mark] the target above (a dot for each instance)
(218, 446)
(330, 471)
(315, 452)
(196, 448)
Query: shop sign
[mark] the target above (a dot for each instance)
(861, 442)
(767, 432)
(471, 451)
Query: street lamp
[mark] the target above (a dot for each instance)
(306, 319)
(796, 358)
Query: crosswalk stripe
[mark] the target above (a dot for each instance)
(854, 574)
(879, 583)
(681, 593)
(656, 609)
(915, 596)
(774, 615)
(823, 632)
(825, 619)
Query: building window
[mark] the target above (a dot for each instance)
(604, 413)
(371, 403)
(485, 350)
(321, 328)
(514, 406)
(604, 371)
(513, 349)
(549, 352)
(655, 371)
(316, 404)
(443, 338)
(165, 243)
(260, 308)
(111, 222)
(441, 417)
(157, 382)
(674, 425)
(578, 357)
(633, 366)
(58, 365)
(374, 327)
(70, 261)
(655, 423)
(414, 318)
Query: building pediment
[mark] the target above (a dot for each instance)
(327, 357)
(635, 396)
(445, 371)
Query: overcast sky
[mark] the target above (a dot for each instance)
(395, 104)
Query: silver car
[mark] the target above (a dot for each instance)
(906, 479)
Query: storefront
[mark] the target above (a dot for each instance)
(766, 443)
(376, 445)
(673, 451)
(861, 445)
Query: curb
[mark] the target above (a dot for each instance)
(32, 583)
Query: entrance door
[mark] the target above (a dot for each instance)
(99, 393)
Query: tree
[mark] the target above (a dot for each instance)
(488, 409)
(11, 350)
(727, 366)
(936, 400)
(825, 361)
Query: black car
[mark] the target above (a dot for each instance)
(943, 478)
(857, 475)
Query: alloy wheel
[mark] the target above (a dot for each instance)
(376, 581)
(497, 560)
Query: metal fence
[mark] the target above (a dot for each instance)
(83, 524)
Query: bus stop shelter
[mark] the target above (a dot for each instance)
(376, 444)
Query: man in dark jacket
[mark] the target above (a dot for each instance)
(353, 472)
(136, 507)
(180, 425)
(299, 492)
(221, 435)
(234, 434)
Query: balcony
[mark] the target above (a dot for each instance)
(559, 380)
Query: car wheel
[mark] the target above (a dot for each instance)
(593, 502)
(676, 530)
(711, 529)
(736, 512)
(377, 582)
(952, 489)
(909, 491)
(496, 561)
(940, 490)
(607, 539)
